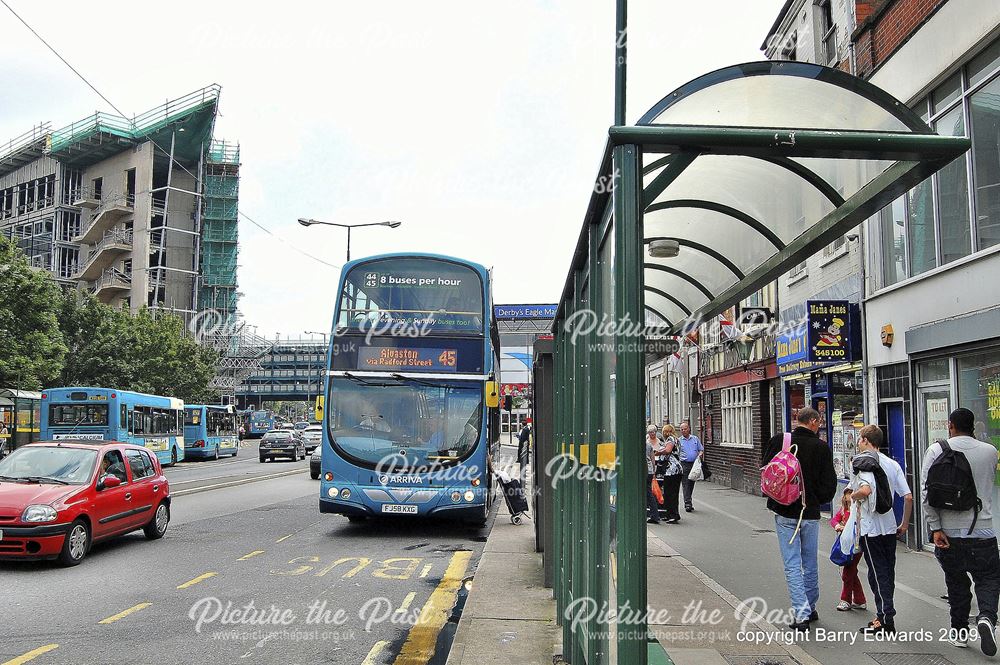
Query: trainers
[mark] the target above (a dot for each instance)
(813, 616)
(987, 636)
(861, 606)
(843, 606)
(799, 625)
(876, 627)
(956, 641)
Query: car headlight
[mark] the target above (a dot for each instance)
(39, 513)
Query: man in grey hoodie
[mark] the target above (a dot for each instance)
(960, 552)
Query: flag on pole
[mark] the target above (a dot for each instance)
(674, 362)
(728, 330)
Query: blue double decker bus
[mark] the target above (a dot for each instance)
(411, 404)
(106, 414)
(210, 430)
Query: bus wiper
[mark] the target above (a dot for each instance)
(354, 377)
(400, 377)
(48, 479)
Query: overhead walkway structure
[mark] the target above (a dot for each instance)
(721, 187)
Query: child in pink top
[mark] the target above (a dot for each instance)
(852, 596)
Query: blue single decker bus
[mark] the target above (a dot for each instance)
(411, 405)
(260, 423)
(210, 430)
(107, 414)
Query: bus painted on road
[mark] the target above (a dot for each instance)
(210, 430)
(410, 415)
(260, 423)
(107, 414)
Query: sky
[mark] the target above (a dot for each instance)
(478, 125)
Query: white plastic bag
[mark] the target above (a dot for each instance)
(696, 472)
(850, 537)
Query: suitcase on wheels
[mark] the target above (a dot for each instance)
(513, 494)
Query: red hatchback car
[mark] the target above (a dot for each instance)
(57, 498)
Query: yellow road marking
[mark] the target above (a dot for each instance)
(122, 615)
(284, 538)
(31, 655)
(252, 554)
(405, 605)
(374, 653)
(427, 569)
(420, 642)
(200, 578)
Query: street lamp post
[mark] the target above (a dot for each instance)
(309, 380)
(309, 222)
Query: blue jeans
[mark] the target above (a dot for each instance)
(799, 558)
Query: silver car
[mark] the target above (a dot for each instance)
(313, 436)
(316, 462)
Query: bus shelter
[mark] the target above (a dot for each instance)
(20, 417)
(721, 187)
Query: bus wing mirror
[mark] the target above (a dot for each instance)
(492, 394)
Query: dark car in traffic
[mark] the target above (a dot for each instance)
(281, 443)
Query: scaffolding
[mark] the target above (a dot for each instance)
(220, 230)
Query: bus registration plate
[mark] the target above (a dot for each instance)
(397, 508)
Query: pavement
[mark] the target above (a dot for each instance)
(717, 596)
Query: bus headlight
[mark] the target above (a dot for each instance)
(332, 492)
(470, 495)
(345, 493)
(456, 497)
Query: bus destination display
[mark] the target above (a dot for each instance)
(400, 359)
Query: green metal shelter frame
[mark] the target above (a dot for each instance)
(745, 172)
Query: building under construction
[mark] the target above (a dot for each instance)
(138, 211)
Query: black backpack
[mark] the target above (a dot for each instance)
(950, 484)
(883, 493)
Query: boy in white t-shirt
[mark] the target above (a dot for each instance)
(879, 531)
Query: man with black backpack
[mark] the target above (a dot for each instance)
(958, 476)
(877, 479)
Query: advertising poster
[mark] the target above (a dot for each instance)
(829, 330)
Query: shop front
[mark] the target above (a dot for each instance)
(819, 363)
(967, 378)
(20, 418)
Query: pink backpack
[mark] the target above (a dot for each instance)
(781, 478)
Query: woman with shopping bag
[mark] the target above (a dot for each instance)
(653, 448)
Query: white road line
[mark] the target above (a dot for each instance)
(234, 483)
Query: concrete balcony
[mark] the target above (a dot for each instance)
(111, 284)
(111, 210)
(104, 253)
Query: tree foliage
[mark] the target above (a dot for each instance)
(31, 345)
(49, 337)
(143, 353)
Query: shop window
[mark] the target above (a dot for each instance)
(979, 391)
(931, 371)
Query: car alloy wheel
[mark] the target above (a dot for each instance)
(162, 518)
(78, 542)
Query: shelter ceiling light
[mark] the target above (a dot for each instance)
(664, 249)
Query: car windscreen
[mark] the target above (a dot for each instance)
(69, 465)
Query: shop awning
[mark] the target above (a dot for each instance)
(748, 170)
